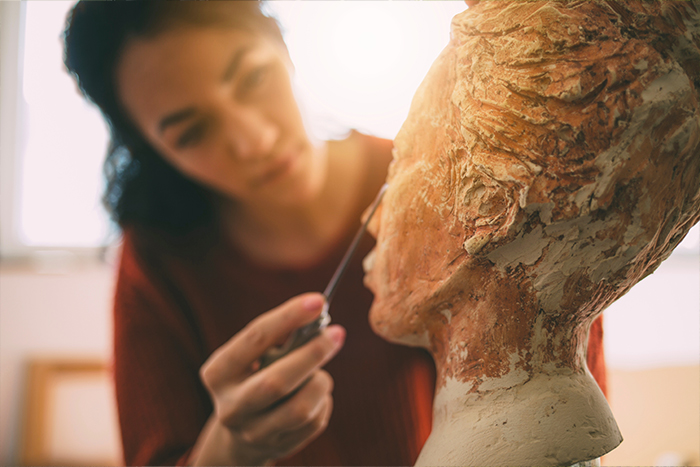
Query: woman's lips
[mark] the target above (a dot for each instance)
(277, 169)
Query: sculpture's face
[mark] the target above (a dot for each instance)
(560, 201)
(419, 242)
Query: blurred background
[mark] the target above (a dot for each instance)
(357, 66)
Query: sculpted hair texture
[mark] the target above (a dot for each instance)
(556, 145)
(142, 188)
(567, 129)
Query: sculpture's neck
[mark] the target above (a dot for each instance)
(513, 388)
(520, 419)
(509, 338)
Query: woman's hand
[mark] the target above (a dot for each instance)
(264, 414)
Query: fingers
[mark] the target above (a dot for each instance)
(300, 416)
(295, 440)
(267, 387)
(289, 442)
(236, 358)
(274, 326)
(285, 375)
(274, 411)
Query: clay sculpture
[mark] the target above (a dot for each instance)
(549, 162)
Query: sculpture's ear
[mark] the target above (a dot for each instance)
(490, 195)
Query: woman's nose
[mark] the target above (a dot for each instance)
(249, 133)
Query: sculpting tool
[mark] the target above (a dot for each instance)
(306, 333)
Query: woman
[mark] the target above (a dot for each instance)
(228, 209)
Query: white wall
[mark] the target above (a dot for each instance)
(657, 324)
(658, 413)
(62, 312)
(652, 345)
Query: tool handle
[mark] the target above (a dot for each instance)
(298, 338)
(330, 288)
(304, 334)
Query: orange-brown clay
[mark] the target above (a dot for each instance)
(550, 161)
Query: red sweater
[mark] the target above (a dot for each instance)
(180, 298)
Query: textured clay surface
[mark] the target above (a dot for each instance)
(550, 160)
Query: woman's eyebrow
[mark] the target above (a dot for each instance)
(175, 117)
(231, 69)
(234, 63)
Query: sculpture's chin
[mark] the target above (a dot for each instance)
(389, 323)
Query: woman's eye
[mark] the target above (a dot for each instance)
(191, 136)
(254, 79)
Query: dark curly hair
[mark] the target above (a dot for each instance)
(142, 188)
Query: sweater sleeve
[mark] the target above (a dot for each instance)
(596, 355)
(161, 402)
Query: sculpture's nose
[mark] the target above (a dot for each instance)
(374, 223)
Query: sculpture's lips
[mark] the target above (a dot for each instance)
(368, 261)
(368, 266)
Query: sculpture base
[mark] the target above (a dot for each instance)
(546, 420)
(590, 463)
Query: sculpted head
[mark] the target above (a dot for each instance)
(550, 161)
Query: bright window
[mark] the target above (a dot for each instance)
(357, 66)
(64, 143)
(358, 63)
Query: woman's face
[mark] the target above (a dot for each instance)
(218, 105)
